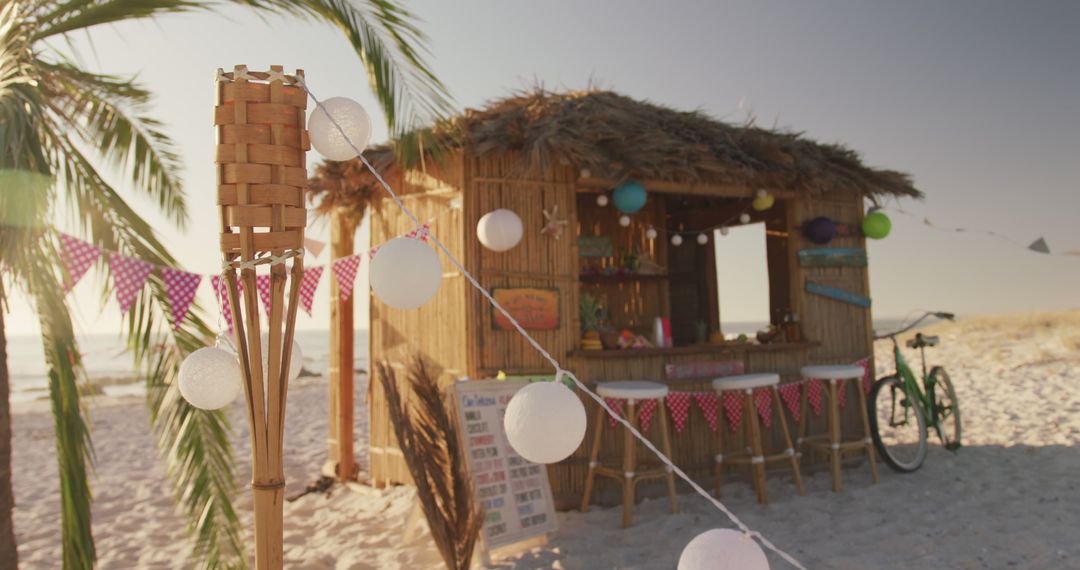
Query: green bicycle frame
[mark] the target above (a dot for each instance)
(926, 400)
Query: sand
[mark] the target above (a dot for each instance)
(1009, 499)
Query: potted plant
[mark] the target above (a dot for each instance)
(589, 314)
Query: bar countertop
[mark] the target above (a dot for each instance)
(726, 348)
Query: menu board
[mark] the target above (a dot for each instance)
(513, 492)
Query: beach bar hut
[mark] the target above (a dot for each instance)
(548, 157)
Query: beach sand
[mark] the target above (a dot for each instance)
(1009, 499)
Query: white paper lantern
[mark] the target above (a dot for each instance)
(744, 218)
(405, 273)
(296, 361)
(624, 221)
(702, 239)
(209, 378)
(723, 549)
(723, 230)
(500, 230)
(651, 233)
(676, 240)
(602, 200)
(545, 422)
(328, 139)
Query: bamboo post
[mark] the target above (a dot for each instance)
(259, 118)
(342, 232)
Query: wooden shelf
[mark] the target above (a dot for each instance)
(626, 277)
(729, 347)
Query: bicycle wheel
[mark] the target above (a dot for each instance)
(897, 425)
(946, 409)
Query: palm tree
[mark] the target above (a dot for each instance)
(59, 124)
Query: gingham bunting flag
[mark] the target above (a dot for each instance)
(645, 414)
(707, 402)
(180, 287)
(616, 406)
(314, 246)
(678, 404)
(763, 403)
(425, 228)
(222, 288)
(308, 284)
(868, 378)
(813, 395)
(129, 275)
(78, 257)
(345, 271)
(733, 407)
(789, 393)
(262, 283)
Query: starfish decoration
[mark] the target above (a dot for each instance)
(554, 226)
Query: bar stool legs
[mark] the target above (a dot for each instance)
(598, 430)
(871, 453)
(629, 466)
(757, 456)
(834, 442)
(665, 446)
(790, 449)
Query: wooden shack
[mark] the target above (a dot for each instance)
(540, 152)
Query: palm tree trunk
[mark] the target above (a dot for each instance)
(9, 556)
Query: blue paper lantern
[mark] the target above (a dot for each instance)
(820, 230)
(629, 197)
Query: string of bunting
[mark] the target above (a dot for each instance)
(1038, 246)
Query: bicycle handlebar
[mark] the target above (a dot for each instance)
(939, 314)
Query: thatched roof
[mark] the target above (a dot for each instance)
(616, 137)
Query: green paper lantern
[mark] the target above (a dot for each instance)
(876, 225)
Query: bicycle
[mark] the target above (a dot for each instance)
(902, 411)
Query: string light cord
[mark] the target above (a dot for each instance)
(559, 370)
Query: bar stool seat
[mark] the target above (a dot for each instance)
(744, 381)
(834, 442)
(755, 449)
(629, 472)
(632, 390)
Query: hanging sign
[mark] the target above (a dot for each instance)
(832, 257)
(514, 493)
(595, 246)
(837, 294)
(535, 309)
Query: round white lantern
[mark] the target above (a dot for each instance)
(624, 221)
(702, 239)
(651, 233)
(209, 378)
(405, 273)
(676, 240)
(296, 361)
(545, 422)
(602, 200)
(723, 549)
(328, 139)
(500, 230)
(723, 230)
(744, 218)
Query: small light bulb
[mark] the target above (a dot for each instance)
(744, 218)
(602, 200)
(651, 233)
(676, 240)
(624, 221)
(702, 239)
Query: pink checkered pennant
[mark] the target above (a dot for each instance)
(813, 395)
(423, 232)
(345, 272)
(867, 378)
(180, 288)
(262, 283)
(733, 407)
(129, 275)
(222, 287)
(78, 256)
(616, 406)
(308, 284)
(678, 404)
(707, 403)
(763, 403)
(645, 414)
(789, 393)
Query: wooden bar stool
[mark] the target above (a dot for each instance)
(633, 391)
(835, 441)
(755, 453)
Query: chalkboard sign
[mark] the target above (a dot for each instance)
(514, 493)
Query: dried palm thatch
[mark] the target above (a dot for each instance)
(428, 440)
(617, 137)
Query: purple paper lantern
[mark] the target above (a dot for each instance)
(820, 230)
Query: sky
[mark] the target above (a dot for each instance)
(978, 101)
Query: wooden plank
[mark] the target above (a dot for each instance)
(837, 294)
(832, 257)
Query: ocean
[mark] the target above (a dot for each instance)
(109, 366)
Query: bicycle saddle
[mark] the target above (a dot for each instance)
(922, 340)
